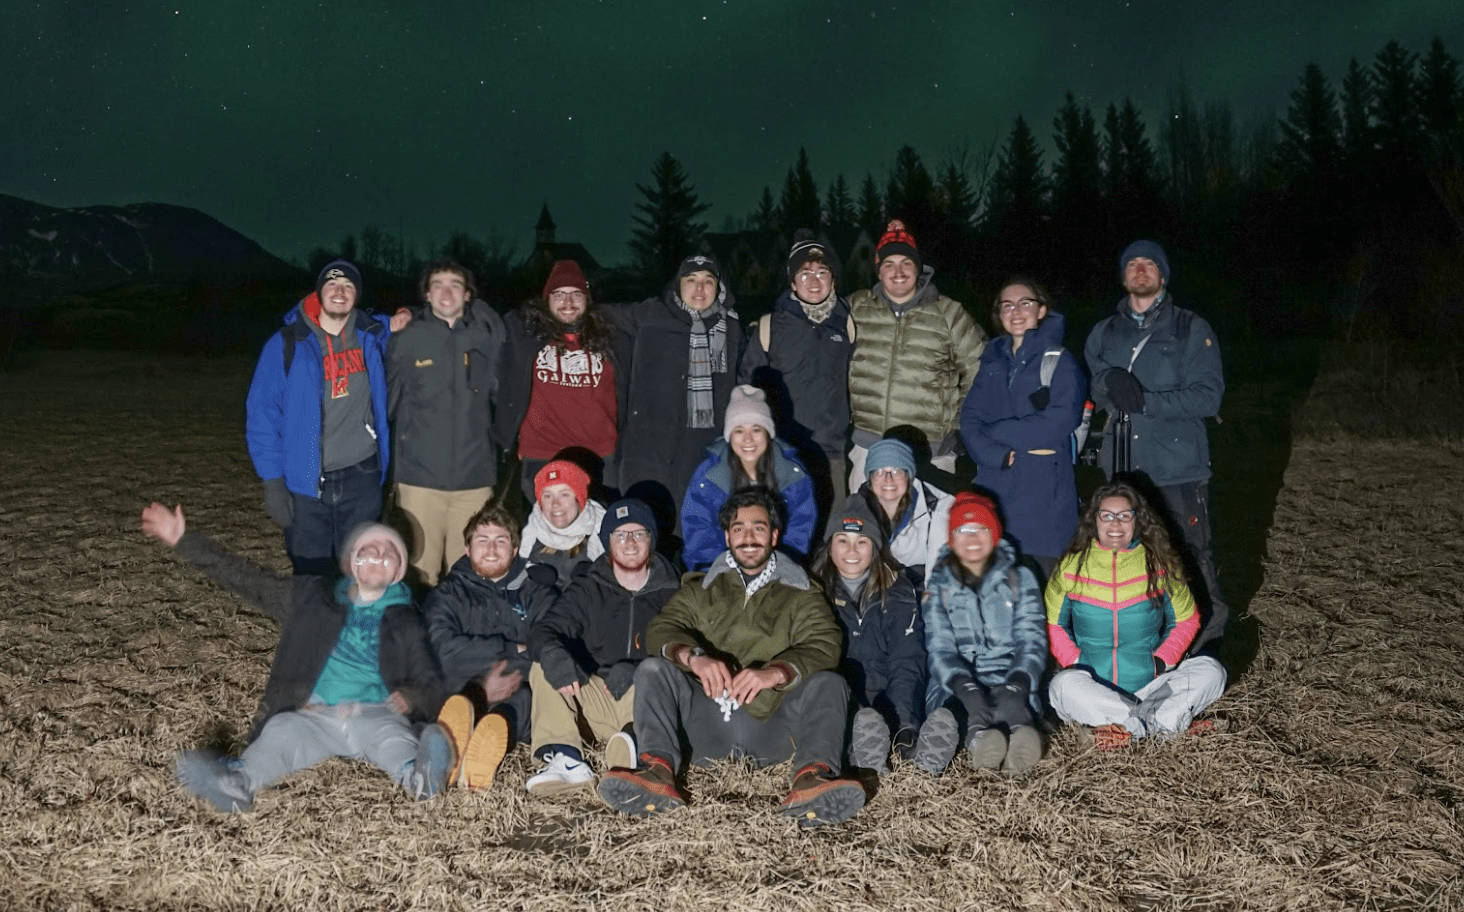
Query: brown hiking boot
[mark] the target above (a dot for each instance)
(818, 797)
(645, 791)
(1111, 737)
(485, 752)
(456, 718)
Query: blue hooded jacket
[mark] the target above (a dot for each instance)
(710, 487)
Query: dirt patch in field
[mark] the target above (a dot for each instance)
(1336, 783)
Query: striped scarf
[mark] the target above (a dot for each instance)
(759, 581)
(708, 355)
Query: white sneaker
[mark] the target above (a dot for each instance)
(560, 774)
(620, 751)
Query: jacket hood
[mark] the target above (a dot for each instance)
(720, 472)
(786, 571)
(663, 575)
(1048, 334)
(518, 572)
(1153, 315)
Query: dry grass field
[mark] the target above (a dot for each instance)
(1336, 783)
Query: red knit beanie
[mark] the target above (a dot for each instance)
(565, 274)
(563, 472)
(974, 508)
(897, 239)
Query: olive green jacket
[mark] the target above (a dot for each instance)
(914, 368)
(785, 622)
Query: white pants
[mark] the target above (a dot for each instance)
(857, 455)
(296, 740)
(1164, 706)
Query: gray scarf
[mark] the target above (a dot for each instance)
(708, 355)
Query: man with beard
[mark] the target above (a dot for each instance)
(479, 619)
(1160, 365)
(589, 645)
(742, 664)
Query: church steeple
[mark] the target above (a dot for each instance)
(544, 230)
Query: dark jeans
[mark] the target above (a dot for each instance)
(348, 498)
(1189, 514)
(979, 707)
(672, 714)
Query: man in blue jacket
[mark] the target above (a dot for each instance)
(1160, 365)
(316, 419)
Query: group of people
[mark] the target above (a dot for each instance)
(841, 610)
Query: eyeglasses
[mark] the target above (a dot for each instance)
(373, 561)
(1122, 516)
(883, 474)
(970, 529)
(637, 535)
(561, 297)
(808, 275)
(1026, 304)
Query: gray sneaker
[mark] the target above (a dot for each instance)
(987, 748)
(869, 744)
(1024, 749)
(208, 775)
(939, 737)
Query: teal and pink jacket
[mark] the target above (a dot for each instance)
(1100, 614)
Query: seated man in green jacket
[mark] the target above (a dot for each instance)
(741, 664)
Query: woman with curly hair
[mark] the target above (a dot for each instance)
(1120, 617)
(556, 381)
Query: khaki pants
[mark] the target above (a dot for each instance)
(557, 718)
(437, 519)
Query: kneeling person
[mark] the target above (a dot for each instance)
(353, 675)
(589, 645)
(742, 661)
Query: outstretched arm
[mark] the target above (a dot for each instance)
(266, 590)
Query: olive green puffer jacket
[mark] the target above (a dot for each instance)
(914, 368)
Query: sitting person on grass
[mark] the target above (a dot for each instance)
(987, 648)
(915, 511)
(353, 676)
(479, 618)
(884, 635)
(742, 664)
(589, 645)
(1120, 618)
(562, 531)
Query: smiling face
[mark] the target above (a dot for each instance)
(749, 442)
(889, 486)
(447, 294)
(567, 304)
(1115, 523)
(898, 274)
(559, 505)
(491, 551)
(337, 298)
(851, 554)
(630, 547)
(813, 282)
(1019, 309)
(751, 538)
(972, 545)
(377, 564)
(698, 289)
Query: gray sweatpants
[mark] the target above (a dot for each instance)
(1164, 706)
(808, 725)
(292, 741)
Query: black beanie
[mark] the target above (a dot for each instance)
(807, 249)
(339, 269)
(623, 513)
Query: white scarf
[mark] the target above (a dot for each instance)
(585, 528)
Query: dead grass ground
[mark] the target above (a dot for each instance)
(1337, 784)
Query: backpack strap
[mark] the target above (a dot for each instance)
(765, 331)
(1049, 366)
(287, 351)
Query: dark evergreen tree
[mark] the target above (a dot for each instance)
(1439, 105)
(1017, 215)
(766, 216)
(1077, 198)
(871, 206)
(666, 229)
(1310, 151)
(800, 197)
(1395, 107)
(909, 189)
(1359, 141)
(955, 197)
(839, 205)
(1131, 177)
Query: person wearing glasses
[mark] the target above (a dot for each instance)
(1120, 617)
(1018, 421)
(588, 647)
(557, 380)
(800, 355)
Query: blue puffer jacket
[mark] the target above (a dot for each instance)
(985, 636)
(884, 650)
(282, 411)
(710, 485)
(1038, 494)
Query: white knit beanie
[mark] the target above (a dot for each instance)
(748, 405)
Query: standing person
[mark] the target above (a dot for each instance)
(747, 455)
(916, 511)
(353, 675)
(1159, 365)
(1120, 618)
(917, 355)
(742, 663)
(316, 419)
(679, 364)
(479, 619)
(884, 635)
(1018, 421)
(987, 646)
(557, 381)
(800, 355)
(562, 527)
(589, 645)
(441, 370)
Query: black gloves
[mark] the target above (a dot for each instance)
(1040, 398)
(619, 677)
(1124, 390)
(278, 502)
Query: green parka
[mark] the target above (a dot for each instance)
(913, 363)
(786, 621)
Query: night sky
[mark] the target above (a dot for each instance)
(295, 123)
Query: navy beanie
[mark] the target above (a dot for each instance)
(699, 262)
(623, 513)
(1149, 250)
(339, 269)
